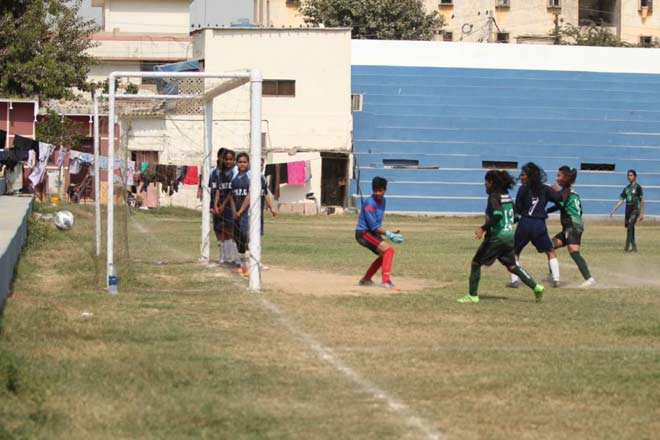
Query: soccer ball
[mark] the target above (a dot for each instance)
(63, 220)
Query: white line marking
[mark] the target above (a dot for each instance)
(395, 405)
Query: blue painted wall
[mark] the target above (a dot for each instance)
(454, 118)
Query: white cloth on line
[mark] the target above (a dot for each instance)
(45, 150)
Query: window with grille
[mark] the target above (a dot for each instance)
(554, 4)
(447, 36)
(499, 165)
(356, 103)
(502, 37)
(279, 87)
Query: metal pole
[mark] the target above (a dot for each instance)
(206, 172)
(112, 280)
(255, 179)
(97, 178)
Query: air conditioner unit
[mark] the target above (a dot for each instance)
(503, 4)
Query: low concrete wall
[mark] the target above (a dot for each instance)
(13, 232)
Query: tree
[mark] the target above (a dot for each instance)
(58, 130)
(43, 48)
(591, 35)
(375, 19)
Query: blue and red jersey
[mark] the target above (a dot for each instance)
(371, 215)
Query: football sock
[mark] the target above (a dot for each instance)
(226, 249)
(475, 276)
(220, 250)
(524, 277)
(514, 277)
(581, 264)
(373, 268)
(233, 250)
(553, 264)
(630, 234)
(388, 256)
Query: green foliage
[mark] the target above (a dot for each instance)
(375, 19)
(39, 232)
(591, 35)
(43, 48)
(132, 89)
(57, 130)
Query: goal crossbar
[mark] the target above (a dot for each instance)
(236, 79)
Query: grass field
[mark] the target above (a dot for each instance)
(184, 351)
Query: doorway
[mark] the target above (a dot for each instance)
(334, 179)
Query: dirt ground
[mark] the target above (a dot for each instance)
(306, 282)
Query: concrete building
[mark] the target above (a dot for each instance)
(510, 21)
(306, 104)
(137, 35)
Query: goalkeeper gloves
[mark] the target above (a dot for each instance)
(395, 237)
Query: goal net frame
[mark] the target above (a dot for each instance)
(235, 79)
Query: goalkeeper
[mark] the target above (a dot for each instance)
(369, 231)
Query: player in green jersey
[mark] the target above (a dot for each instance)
(634, 197)
(498, 232)
(570, 209)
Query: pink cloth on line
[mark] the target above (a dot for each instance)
(295, 173)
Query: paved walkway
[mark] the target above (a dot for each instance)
(14, 214)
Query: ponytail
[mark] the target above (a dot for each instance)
(570, 172)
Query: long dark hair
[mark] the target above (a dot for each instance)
(570, 172)
(536, 177)
(227, 151)
(219, 157)
(501, 180)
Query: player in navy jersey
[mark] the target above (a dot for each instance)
(497, 232)
(240, 205)
(531, 201)
(214, 181)
(634, 198)
(224, 217)
(368, 233)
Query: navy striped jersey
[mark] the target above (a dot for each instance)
(371, 215)
(224, 182)
(533, 205)
(240, 188)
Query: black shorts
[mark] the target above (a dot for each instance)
(534, 230)
(222, 223)
(491, 250)
(569, 235)
(369, 239)
(632, 215)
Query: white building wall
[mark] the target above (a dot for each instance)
(318, 118)
(635, 22)
(154, 16)
(296, 128)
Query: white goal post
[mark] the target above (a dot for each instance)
(235, 80)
